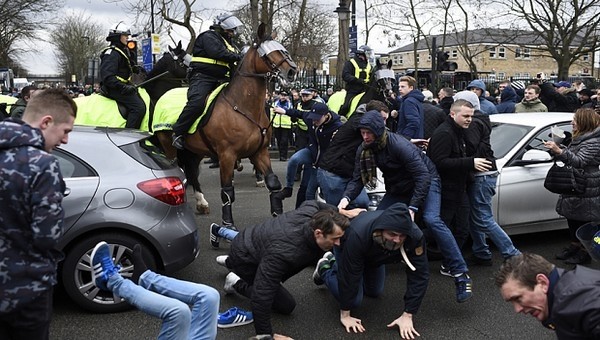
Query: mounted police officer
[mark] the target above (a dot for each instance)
(214, 56)
(356, 74)
(117, 65)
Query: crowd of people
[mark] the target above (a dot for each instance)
(440, 177)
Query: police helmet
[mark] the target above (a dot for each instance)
(367, 52)
(227, 21)
(119, 30)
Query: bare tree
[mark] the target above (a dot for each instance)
(77, 38)
(19, 21)
(568, 28)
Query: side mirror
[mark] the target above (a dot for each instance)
(534, 157)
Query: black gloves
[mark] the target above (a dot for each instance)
(128, 90)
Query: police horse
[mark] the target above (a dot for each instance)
(238, 127)
(168, 73)
(381, 81)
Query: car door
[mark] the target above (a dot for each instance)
(523, 203)
(81, 185)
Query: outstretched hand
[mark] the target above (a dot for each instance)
(405, 323)
(352, 324)
(281, 337)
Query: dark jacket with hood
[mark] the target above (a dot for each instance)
(477, 139)
(486, 106)
(31, 215)
(574, 304)
(358, 251)
(277, 249)
(340, 156)
(446, 104)
(115, 64)
(508, 100)
(434, 116)
(410, 115)
(448, 152)
(406, 169)
(583, 153)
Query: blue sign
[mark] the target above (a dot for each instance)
(353, 42)
(147, 54)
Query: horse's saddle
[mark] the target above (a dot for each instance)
(98, 110)
(336, 103)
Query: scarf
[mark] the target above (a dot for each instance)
(368, 167)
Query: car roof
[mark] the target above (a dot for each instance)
(532, 118)
(119, 136)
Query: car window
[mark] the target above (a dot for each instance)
(147, 154)
(71, 166)
(545, 134)
(505, 136)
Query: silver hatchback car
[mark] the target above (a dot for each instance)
(121, 190)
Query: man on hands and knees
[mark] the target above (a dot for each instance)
(374, 239)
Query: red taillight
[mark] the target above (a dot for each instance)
(169, 190)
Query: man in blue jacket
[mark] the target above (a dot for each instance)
(410, 115)
(373, 240)
(486, 106)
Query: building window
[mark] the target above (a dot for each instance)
(454, 54)
(501, 52)
(501, 75)
(526, 75)
(585, 57)
(492, 52)
(418, 58)
(522, 53)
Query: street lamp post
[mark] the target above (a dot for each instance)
(344, 16)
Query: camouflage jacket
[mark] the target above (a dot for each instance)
(31, 215)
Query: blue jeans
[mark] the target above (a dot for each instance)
(228, 234)
(446, 242)
(300, 157)
(482, 221)
(169, 299)
(333, 187)
(372, 281)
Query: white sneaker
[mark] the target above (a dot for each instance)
(230, 280)
(221, 260)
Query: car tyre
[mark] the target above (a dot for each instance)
(76, 271)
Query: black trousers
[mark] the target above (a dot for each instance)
(283, 137)
(200, 87)
(30, 321)
(135, 106)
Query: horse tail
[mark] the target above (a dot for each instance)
(190, 163)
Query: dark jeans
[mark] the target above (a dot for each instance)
(135, 106)
(30, 321)
(282, 136)
(200, 87)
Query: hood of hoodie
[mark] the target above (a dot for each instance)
(508, 95)
(397, 218)
(15, 133)
(416, 94)
(478, 84)
(373, 121)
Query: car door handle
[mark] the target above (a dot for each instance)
(67, 192)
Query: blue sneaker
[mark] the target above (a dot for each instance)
(234, 317)
(464, 287)
(102, 265)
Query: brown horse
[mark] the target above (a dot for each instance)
(239, 127)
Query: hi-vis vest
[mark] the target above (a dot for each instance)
(281, 121)
(121, 79)
(301, 124)
(215, 61)
(359, 72)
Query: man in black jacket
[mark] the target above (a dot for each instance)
(337, 164)
(213, 56)
(264, 256)
(564, 301)
(374, 239)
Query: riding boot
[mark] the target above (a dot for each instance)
(276, 204)
(227, 198)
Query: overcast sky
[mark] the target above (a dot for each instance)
(111, 13)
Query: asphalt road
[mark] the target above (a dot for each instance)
(485, 316)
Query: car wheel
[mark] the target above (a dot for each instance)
(77, 271)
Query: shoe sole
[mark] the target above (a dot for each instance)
(242, 323)
(97, 265)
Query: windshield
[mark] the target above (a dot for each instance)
(505, 136)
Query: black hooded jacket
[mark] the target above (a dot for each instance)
(477, 138)
(358, 251)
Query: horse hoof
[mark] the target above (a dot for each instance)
(260, 184)
(203, 210)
